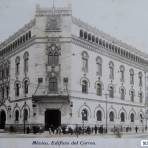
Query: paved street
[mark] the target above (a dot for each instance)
(46, 135)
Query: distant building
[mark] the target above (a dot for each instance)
(59, 70)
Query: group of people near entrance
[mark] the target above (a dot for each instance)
(90, 130)
(77, 130)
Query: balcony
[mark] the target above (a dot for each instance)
(53, 68)
(51, 98)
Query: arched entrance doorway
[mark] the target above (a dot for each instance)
(2, 119)
(52, 118)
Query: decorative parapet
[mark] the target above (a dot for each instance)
(18, 33)
(107, 37)
(53, 11)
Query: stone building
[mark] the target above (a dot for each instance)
(59, 70)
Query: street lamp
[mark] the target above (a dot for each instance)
(25, 118)
(83, 118)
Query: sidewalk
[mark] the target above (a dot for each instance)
(46, 135)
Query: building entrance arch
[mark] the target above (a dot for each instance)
(2, 119)
(52, 118)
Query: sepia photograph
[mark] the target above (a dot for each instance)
(73, 73)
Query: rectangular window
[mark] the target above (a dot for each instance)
(53, 85)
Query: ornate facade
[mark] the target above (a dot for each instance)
(59, 70)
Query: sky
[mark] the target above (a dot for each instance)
(126, 20)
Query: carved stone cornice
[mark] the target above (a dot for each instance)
(99, 49)
(19, 49)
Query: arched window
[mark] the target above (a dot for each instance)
(7, 90)
(132, 117)
(50, 58)
(89, 37)
(7, 70)
(99, 66)
(84, 61)
(106, 44)
(122, 116)
(84, 115)
(84, 86)
(99, 115)
(97, 40)
(100, 41)
(111, 116)
(131, 76)
(140, 79)
(85, 35)
(17, 65)
(53, 55)
(53, 84)
(17, 89)
(26, 87)
(93, 38)
(141, 118)
(26, 59)
(99, 89)
(110, 46)
(132, 95)
(56, 58)
(81, 33)
(140, 97)
(2, 92)
(122, 93)
(111, 92)
(103, 43)
(1, 72)
(16, 115)
(122, 70)
(111, 67)
(25, 115)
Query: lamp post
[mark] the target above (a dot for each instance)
(106, 112)
(83, 115)
(24, 123)
(25, 118)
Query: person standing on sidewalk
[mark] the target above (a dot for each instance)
(136, 129)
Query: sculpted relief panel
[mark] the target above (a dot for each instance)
(53, 23)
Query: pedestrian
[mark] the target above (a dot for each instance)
(136, 129)
(28, 130)
(96, 129)
(50, 132)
